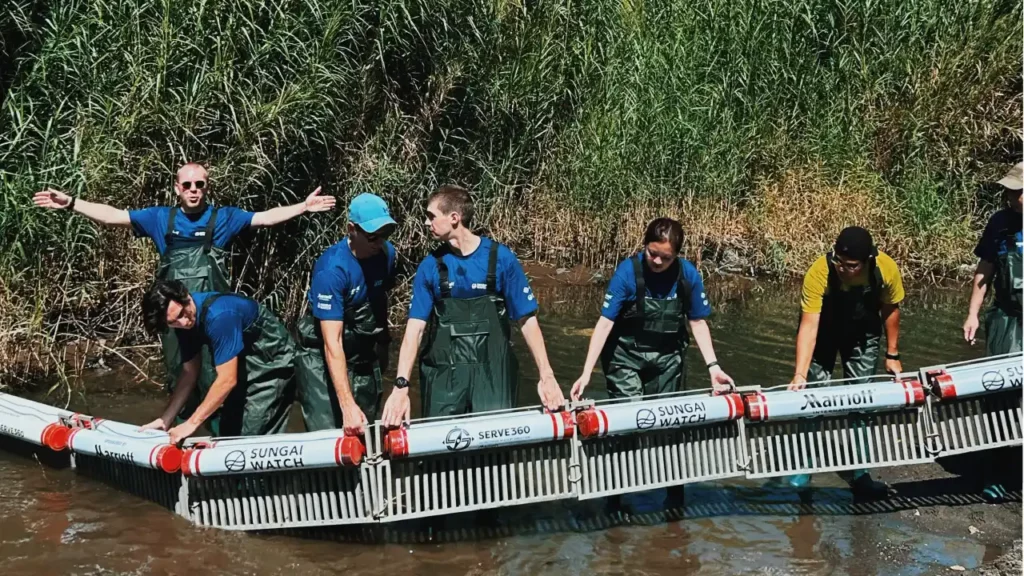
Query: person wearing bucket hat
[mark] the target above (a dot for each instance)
(849, 297)
(999, 265)
(343, 340)
(193, 239)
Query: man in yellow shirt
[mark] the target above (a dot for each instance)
(849, 295)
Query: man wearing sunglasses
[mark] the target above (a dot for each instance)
(465, 296)
(192, 239)
(849, 295)
(251, 348)
(343, 341)
(999, 265)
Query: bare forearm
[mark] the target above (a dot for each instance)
(982, 277)
(337, 366)
(410, 346)
(597, 341)
(535, 342)
(182, 389)
(892, 329)
(806, 337)
(702, 336)
(218, 393)
(102, 213)
(278, 215)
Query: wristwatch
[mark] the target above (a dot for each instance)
(895, 356)
(401, 383)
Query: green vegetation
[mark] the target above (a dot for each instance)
(764, 125)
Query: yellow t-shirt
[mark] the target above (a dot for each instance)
(816, 283)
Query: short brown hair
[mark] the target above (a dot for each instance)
(451, 198)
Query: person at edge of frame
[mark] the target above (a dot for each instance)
(999, 265)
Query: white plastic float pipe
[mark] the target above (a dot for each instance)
(147, 452)
(829, 400)
(31, 425)
(978, 378)
(276, 452)
(461, 434)
(33, 407)
(673, 412)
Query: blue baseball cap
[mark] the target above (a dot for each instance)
(369, 212)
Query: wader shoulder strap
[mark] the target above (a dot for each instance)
(208, 240)
(875, 278)
(492, 269)
(833, 276)
(684, 292)
(1010, 240)
(206, 307)
(169, 232)
(442, 274)
(641, 287)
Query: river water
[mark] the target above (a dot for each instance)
(54, 522)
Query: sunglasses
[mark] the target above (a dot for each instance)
(845, 265)
(200, 184)
(371, 238)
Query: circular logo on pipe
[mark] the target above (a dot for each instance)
(992, 380)
(645, 419)
(235, 461)
(458, 439)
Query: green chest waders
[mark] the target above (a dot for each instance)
(646, 354)
(466, 360)
(363, 331)
(851, 324)
(201, 267)
(1003, 320)
(646, 350)
(262, 398)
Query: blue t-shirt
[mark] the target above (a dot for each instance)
(341, 281)
(226, 321)
(659, 285)
(467, 276)
(152, 223)
(995, 239)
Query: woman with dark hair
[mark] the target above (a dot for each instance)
(641, 336)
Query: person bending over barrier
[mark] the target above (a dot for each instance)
(192, 239)
(999, 264)
(343, 341)
(848, 296)
(465, 296)
(252, 350)
(641, 336)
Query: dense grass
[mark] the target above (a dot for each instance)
(572, 121)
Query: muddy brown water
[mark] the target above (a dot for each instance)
(54, 522)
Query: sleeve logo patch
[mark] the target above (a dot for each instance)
(324, 297)
(323, 306)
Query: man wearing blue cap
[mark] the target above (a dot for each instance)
(343, 341)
